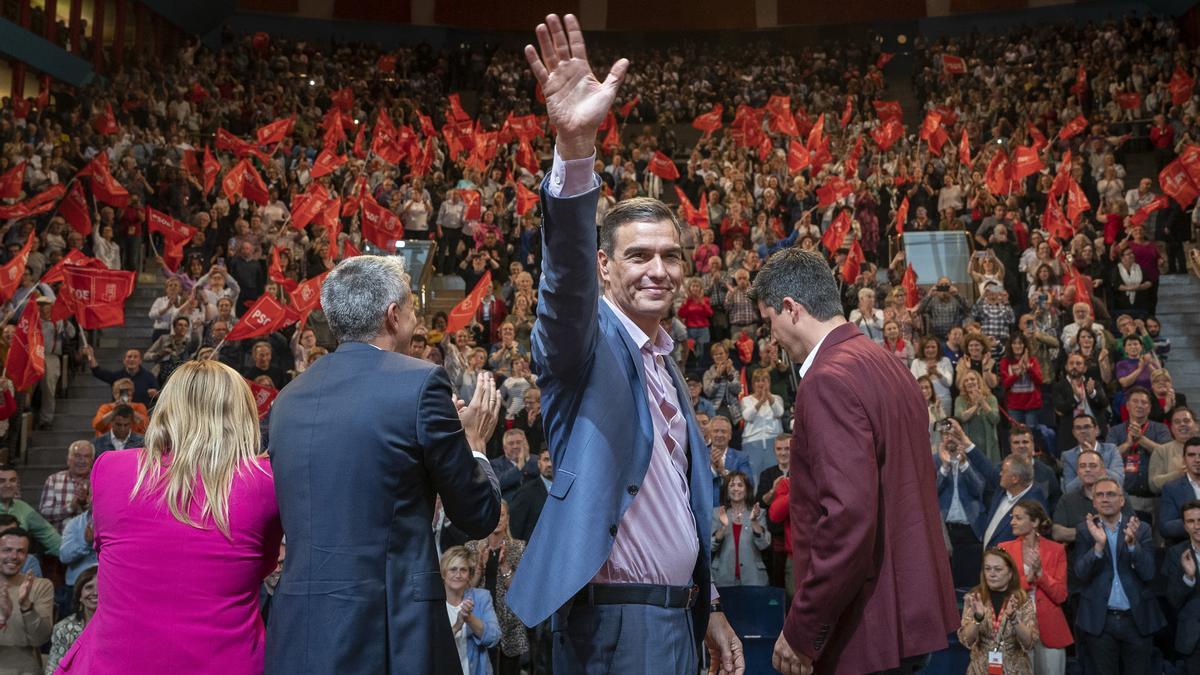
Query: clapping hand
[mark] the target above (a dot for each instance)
(1096, 529)
(1188, 561)
(1131, 531)
(723, 516)
(479, 416)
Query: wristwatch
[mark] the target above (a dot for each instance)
(714, 607)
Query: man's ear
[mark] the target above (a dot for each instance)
(602, 261)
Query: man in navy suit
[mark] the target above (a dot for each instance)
(725, 460)
(1118, 610)
(1179, 568)
(620, 554)
(362, 444)
(1016, 483)
(1178, 492)
(963, 476)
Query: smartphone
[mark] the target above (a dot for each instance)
(944, 425)
(220, 262)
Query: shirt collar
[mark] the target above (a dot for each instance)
(662, 344)
(1017, 497)
(812, 356)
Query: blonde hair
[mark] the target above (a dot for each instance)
(206, 420)
(453, 553)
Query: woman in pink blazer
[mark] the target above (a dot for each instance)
(1042, 563)
(186, 529)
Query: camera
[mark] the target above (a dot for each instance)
(944, 425)
(942, 288)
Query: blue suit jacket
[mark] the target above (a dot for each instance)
(1185, 599)
(361, 445)
(103, 443)
(735, 460)
(597, 423)
(1170, 521)
(1004, 529)
(972, 484)
(1096, 576)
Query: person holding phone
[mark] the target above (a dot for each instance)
(962, 476)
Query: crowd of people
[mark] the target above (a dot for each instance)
(1055, 425)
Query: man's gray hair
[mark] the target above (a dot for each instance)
(803, 276)
(356, 294)
(1021, 469)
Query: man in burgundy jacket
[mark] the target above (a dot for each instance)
(873, 585)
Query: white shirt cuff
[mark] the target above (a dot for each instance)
(572, 177)
(1189, 581)
(480, 456)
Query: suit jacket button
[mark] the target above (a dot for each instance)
(613, 530)
(632, 489)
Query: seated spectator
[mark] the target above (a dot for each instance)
(122, 391)
(32, 564)
(999, 616)
(762, 412)
(739, 536)
(66, 493)
(496, 560)
(725, 459)
(120, 435)
(472, 619)
(516, 467)
(26, 605)
(1166, 464)
(1085, 430)
(263, 364)
(1118, 610)
(979, 413)
(28, 519)
(145, 384)
(866, 316)
(1042, 567)
(700, 404)
(1178, 492)
(85, 599)
(1179, 568)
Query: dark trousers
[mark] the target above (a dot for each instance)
(967, 557)
(540, 649)
(447, 255)
(595, 639)
(1120, 648)
(910, 665)
(1193, 663)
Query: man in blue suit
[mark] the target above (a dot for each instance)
(620, 554)
(725, 460)
(1178, 492)
(963, 475)
(362, 444)
(1118, 610)
(1179, 568)
(1016, 483)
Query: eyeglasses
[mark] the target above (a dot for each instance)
(1107, 495)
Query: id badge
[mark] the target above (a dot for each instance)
(995, 662)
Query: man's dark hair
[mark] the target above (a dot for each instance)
(1135, 390)
(1189, 505)
(8, 520)
(123, 410)
(1178, 409)
(1022, 430)
(1085, 416)
(18, 532)
(803, 276)
(640, 210)
(420, 339)
(7, 467)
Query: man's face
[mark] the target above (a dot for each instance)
(79, 459)
(1191, 460)
(181, 327)
(1076, 366)
(546, 465)
(507, 333)
(1021, 445)
(13, 552)
(783, 452)
(262, 356)
(645, 269)
(532, 400)
(1084, 430)
(693, 390)
(1107, 498)
(10, 485)
(1144, 185)
(1138, 406)
(1089, 469)
(1191, 523)
(1125, 324)
(719, 432)
(219, 330)
(1082, 315)
(133, 360)
(1183, 425)
(516, 447)
(121, 426)
(1007, 478)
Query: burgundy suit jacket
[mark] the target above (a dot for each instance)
(873, 580)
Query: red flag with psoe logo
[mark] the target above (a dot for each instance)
(326, 163)
(274, 132)
(456, 110)
(953, 65)
(1025, 163)
(10, 182)
(1073, 128)
(526, 198)
(709, 121)
(1176, 183)
(11, 271)
(75, 210)
(797, 157)
(264, 397)
(26, 362)
(264, 317)
(464, 311)
(175, 234)
(211, 169)
(275, 272)
(886, 135)
(106, 122)
(998, 176)
(660, 165)
(1077, 202)
(380, 226)
(1129, 100)
(1139, 217)
(887, 110)
(95, 296)
(307, 295)
(1181, 86)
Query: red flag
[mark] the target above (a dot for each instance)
(902, 216)
(464, 311)
(211, 169)
(931, 123)
(628, 107)
(1038, 138)
(1139, 217)
(75, 210)
(1077, 202)
(1054, 222)
(847, 112)
(1081, 78)
(884, 59)
(1073, 128)
(328, 219)
(270, 134)
(307, 205)
(343, 98)
(326, 162)
(95, 296)
(835, 235)
(816, 135)
(106, 122)
(275, 272)
(1062, 176)
(612, 140)
(360, 149)
(264, 397)
(264, 317)
(175, 234)
(349, 250)
(243, 181)
(43, 95)
(1181, 86)
(660, 165)
(456, 110)
(964, 149)
(10, 182)
(380, 226)
(526, 158)
(526, 198)
(1025, 163)
(26, 362)
(240, 148)
(797, 157)
(11, 271)
(886, 110)
(909, 282)
(853, 264)
(54, 275)
(35, 205)
(21, 107)
(998, 176)
(780, 120)
(386, 63)
(307, 296)
(474, 202)
(1176, 183)
(953, 65)
(709, 121)
(105, 188)
(1129, 100)
(850, 166)
(886, 135)
(835, 188)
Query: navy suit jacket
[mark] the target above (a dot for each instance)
(103, 443)
(972, 484)
(597, 422)
(1170, 521)
(1096, 577)
(735, 460)
(1185, 599)
(361, 445)
(1004, 531)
